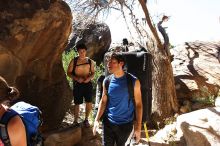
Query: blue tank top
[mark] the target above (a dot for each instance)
(119, 111)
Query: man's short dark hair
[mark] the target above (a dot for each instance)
(81, 46)
(118, 56)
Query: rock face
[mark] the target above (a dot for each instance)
(196, 69)
(191, 129)
(97, 38)
(33, 35)
(201, 129)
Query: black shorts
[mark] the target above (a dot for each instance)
(82, 90)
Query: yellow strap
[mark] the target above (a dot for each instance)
(146, 132)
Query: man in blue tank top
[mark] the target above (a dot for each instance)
(119, 117)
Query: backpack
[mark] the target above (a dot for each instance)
(130, 91)
(31, 117)
(75, 62)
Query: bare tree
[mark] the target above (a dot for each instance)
(163, 89)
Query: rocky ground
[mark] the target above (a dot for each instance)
(87, 136)
(176, 133)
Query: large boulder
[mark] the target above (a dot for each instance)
(33, 35)
(191, 129)
(196, 69)
(200, 129)
(97, 38)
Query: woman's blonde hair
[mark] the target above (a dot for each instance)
(7, 92)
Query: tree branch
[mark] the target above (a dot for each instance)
(152, 28)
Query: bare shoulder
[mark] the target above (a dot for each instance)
(92, 61)
(15, 124)
(137, 82)
(137, 87)
(16, 131)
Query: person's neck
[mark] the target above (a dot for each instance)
(119, 74)
(82, 58)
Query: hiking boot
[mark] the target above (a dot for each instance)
(86, 123)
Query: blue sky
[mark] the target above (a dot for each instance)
(190, 20)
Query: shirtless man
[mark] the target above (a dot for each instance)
(82, 76)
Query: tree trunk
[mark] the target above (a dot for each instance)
(163, 88)
(164, 102)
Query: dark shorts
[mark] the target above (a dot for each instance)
(82, 90)
(116, 134)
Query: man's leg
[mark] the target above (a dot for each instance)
(78, 99)
(108, 137)
(88, 100)
(88, 109)
(76, 113)
(123, 132)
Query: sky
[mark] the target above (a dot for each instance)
(190, 20)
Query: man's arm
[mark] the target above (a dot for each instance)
(70, 71)
(16, 132)
(138, 110)
(92, 73)
(101, 109)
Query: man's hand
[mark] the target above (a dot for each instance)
(80, 80)
(137, 135)
(95, 127)
(87, 80)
